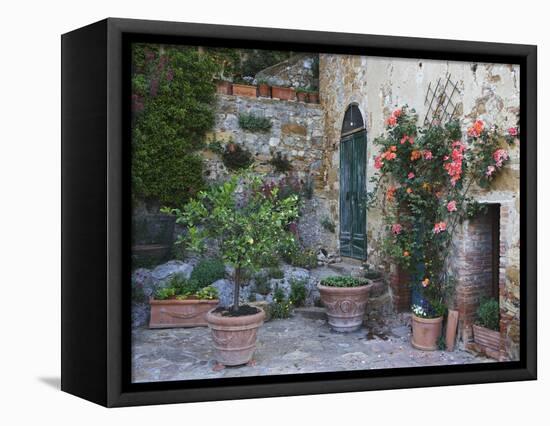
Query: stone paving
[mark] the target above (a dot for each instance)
(291, 346)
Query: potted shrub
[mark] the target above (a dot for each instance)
(243, 87)
(283, 93)
(247, 223)
(426, 327)
(264, 90)
(182, 303)
(313, 95)
(224, 87)
(345, 299)
(301, 94)
(486, 329)
(424, 180)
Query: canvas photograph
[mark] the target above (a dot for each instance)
(311, 212)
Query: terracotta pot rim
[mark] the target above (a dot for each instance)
(345, 290)
(183, 302)
(427, 320)
(243, 85)
(217, 319)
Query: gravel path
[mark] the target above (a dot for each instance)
(294, 345)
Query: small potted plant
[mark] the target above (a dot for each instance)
(301, 94)
(313, 95)
(426, 326)
(486, 329)
(264, 90)
(243, 87)
(182, 303)
(224, 87)
(283, 93)
(345, 299)
(246, 227)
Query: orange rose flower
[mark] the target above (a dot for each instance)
(409, 190)
(390, 194)
(406, 253)
(415, 155)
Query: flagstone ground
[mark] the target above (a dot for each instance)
(291, 346)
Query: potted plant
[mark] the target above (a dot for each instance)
(283, 93)
(486, 329)
(182, 303)
(243, 87)
(264, 90)
(313, 95)
(224, 87)
(345, 299)
(246, 222)
(426, 327)
(301, 94)
(423, 184)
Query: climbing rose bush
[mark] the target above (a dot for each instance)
(422, 186)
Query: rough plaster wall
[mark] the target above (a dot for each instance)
(378, 85)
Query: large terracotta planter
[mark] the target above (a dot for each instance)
(426, 332)
(234, 337)
(244, 90)
(180, 313)
(345, 306)
(301, 96)
(487, 338)
(264, 91)
(283, 93)
(224, 87)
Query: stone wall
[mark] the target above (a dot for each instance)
(300, 70)
(378, 85)
(297, 132)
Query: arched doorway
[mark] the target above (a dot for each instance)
(353, 183)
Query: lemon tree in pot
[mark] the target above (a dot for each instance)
(248, 223)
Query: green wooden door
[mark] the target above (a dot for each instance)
(353, 214)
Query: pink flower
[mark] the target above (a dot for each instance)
(407, 138)
(513, 131)
(396, 228)
(378, 163)
(391, 121)
(410, 175)
(428, 155)
(500, 156)
(397, 112)
(451, 206)
(440, 227)
(490, 171)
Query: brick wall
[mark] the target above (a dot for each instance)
(400, 289)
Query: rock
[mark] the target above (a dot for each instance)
(168, 269)
(142, 282)
(140, 314)
(225, 292)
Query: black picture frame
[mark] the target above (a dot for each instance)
(95, 212)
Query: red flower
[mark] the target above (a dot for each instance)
(427, 155)
(513, 131)
(396, 228)
(378, 163)
(440, 227)
(410, 175)
(391, 121)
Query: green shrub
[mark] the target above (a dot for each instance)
(488, 315)
(173, 100)
(328, 224)
(254, 123)
(276, 273)
(262, 284)
(281, 306)
(343, 281)
(301, 258)
(280, 163)
(297, 292)
(207, 293)
(208, 271)
(235, 157)
(165, 293)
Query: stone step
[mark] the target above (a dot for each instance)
(314, 313)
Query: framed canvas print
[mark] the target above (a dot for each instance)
(253, 212)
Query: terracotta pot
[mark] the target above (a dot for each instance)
(345, 306)
(244, 90)
(180, 313)
(224, 87)
(487, 338)
(283, 93)
(264, 91)
(426, 332)
(313, 97)
(234, 337)
(301, 96)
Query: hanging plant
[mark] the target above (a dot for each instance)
(422, 186)
(236, 157)
(280, 163)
